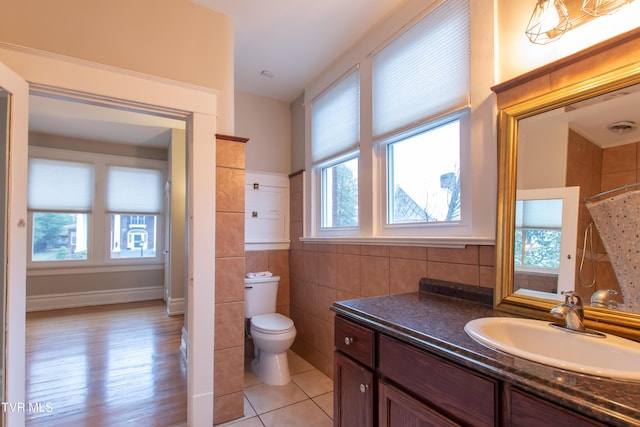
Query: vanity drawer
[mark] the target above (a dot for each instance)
(455, 391)
(527, 410)
(354, 340)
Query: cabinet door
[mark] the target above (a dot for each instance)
(266, 208)
(353, 393)
(399, 409)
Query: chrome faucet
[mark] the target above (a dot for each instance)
(602, 298)
(572, 311)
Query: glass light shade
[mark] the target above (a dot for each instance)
(549, 21)
(602, 7)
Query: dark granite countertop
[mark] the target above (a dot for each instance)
(436, 323)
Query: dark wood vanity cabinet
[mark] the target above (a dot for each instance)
(382, 381)
(355, 389)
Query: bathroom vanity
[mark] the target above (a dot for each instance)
(405, 360)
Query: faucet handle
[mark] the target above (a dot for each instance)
(572, 298)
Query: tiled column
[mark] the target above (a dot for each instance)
(228, 400)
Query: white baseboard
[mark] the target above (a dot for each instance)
(83, 299)
(175, 306)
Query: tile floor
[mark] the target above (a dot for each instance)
(306, 401)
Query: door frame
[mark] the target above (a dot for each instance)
(16, 234)
(96, 83)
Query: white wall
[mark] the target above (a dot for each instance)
(178, 40)
(267, 124)
(517, 55)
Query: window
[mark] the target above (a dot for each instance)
(340, 194)
(134, 200)
(335, 136)
(546, 224)
(60, 195)
(537, 234)
(59, 236)
(423, 176)
(133, 236)
(418, 81)
(420, 179)
(94, 209)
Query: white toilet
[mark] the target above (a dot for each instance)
(272, 332)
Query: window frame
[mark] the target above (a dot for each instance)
(438, 228)
(319, 206)
(570, 197)
(98, 221)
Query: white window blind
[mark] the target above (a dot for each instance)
(56, 185)
(335, 120)
(425, 72)
(545, 213)
(134, 190)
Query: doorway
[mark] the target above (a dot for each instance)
(81, 260)
(123, 90)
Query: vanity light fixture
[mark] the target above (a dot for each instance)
(549, 21)
(602, 7)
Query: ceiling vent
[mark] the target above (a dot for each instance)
(622, 127)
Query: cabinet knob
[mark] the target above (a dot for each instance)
(364, 388)
(254, 214)
(348, 340)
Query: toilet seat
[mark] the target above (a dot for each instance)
(273, 323)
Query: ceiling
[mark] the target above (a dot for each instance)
(56, 116)
(295, 40)
(591, 118)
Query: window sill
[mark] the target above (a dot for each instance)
(431, 242)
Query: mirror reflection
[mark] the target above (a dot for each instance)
(578, 202)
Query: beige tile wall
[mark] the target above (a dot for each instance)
(228, 399)
(323, 273)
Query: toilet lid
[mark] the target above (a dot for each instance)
(274, 323)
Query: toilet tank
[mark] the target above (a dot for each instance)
(260, 295)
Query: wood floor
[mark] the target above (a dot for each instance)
(115, 365)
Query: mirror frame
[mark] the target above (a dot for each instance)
(616, 322)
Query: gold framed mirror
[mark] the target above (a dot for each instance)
(511, 120)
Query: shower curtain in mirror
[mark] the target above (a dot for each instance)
(618, 222)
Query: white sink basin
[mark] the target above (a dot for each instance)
(609, 356)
